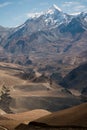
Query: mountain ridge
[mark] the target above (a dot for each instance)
(52, 35)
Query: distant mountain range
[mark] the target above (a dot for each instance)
(51, 36)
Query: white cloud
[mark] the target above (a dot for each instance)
(73, 6)
(29, 15)
(5, 4)
(22, 18)
(34, 13)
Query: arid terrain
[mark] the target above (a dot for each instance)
(29, 100)
(74, 118)
(28, 95)
(43, 72)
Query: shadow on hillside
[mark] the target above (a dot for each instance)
(43, 126)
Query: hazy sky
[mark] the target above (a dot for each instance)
(15, 12)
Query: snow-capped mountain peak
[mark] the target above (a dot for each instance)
(51, 18)
(56, 7)
(51, 10)
(54, 16)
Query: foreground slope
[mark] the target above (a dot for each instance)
(10, 121)
(74, 118)
(28, 116)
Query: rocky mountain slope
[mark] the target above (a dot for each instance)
(76, 80)
(50, 36)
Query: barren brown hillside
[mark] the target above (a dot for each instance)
(75, 116)
(10, 121)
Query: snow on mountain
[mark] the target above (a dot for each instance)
(43, 33)
(75, 14)
(34, 15)
(83, 15)
(53, 16)
(50, 11)
(54, 8)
